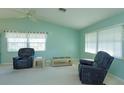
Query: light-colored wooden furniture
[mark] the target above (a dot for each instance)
(61, 61)
(39, 62)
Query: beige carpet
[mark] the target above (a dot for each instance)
(66, 75)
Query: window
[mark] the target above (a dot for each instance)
(109, 40)
(37, 41)
(16, 40)
(14, 44)
(90, 42)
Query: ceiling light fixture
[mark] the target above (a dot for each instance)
(62, 9)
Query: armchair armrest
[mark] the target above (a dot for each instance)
(93, 69)
(86, 62)
(16, 58)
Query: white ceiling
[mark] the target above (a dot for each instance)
(76, 18)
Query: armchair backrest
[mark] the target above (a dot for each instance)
(103, 60)
(26, 52)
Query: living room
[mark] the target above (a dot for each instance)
(69, 33)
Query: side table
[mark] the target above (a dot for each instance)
(38, 62)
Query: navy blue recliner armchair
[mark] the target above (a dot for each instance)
(94, 72)
(25, 58)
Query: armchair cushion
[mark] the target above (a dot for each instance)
(26, 52)
(103, 60)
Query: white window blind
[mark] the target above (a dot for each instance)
(90, 42)
(37, 41)
(16, 40)
(110, 40)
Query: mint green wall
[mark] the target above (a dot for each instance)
(0, 48)
(117, 67)
(61, 41)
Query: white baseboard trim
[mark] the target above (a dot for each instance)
(113, 80)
